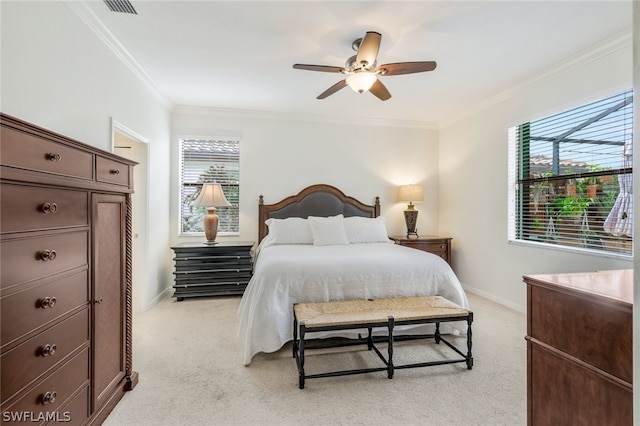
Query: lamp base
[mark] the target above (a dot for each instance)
(210, 224)
(410, 218)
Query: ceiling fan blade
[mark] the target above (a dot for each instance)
(369, 46)
(333, 89)
(380, 90)
(322, 68)
(406, 67)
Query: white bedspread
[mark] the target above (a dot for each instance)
(287, 274)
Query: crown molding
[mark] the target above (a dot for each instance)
(572, 63)
(91, 20)
(293, 116)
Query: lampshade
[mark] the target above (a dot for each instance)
(411, 193)
(361, 81)
(211, 195)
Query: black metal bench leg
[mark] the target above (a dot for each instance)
(390, 349)
(295, 332)
(369, 339)
(469, 336)
(301, 358)
(437, 334)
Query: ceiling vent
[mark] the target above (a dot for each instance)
(123, 6)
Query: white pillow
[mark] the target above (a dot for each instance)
(366, 230)
(293, 230)
(328, 231)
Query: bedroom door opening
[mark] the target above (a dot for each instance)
(130, 145)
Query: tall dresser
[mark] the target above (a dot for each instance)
(579, 348)
(65, 290)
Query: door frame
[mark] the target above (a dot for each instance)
(140, 210)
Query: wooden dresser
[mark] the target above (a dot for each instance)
(579, 348)
(440, 246)
(65, 291)
(203, 270)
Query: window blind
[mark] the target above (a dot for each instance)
(209, 161)
(573, 177)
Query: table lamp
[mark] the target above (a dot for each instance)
(211, 196)
(412, 194)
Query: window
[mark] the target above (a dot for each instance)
(571, 177)
(209, 161)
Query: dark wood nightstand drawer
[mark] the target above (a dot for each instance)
(440, 246)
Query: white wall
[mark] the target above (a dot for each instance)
(57, 74)
(279, 156)
(473, 180)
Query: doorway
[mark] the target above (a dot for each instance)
(128, 144)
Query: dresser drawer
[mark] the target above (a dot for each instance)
(27, 208)
(77, 410)
(19, 149)
(111, 171)
(579, 326)
(50, 394)
(38, 354)
(34, 306)
(26, 259)
(563, 392)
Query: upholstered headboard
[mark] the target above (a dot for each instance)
(315, 200)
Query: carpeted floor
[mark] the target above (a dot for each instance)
(191, 373)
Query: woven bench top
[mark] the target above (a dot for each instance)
(363, 311)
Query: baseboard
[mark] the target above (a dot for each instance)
(167, 291)
(493, 298)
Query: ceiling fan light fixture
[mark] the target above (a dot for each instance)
(361, 81)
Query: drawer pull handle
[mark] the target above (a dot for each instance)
(54, 156)
(48, 255)
(49, 208)
(49, 398)
(48, 350)
(97, 302)
(114, 171)
(48, 302)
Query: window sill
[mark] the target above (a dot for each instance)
(575, 250)
(201, 234)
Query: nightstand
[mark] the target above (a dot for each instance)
(440, 246)
(202, 270)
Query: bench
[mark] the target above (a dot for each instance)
(376, 313)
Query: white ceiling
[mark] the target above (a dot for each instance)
(239, 54)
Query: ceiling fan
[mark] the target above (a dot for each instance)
(362, 70)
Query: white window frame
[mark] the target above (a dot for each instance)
(197, 174)
(522, 221)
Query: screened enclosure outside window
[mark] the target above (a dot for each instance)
(209, 161)
(571, 177)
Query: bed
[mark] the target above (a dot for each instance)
(322, 245)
